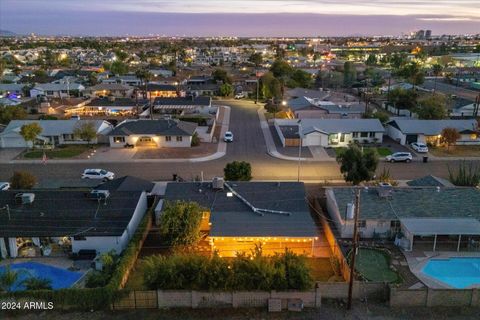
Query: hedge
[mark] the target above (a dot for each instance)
(92, 298)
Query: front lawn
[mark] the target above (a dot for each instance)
(455, 151)
(382, 151)
(57, 153)
(374, 265)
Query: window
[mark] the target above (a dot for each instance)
(355, 134)
(168, 138)
(362, 223)
(118, 139)
(372, 134)
(179, 138)
(364, 134)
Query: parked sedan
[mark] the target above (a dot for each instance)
(419, 147)
(400, 157)
(98, 174)
(228, 137)
(4, 186)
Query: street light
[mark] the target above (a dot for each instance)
(299, 147)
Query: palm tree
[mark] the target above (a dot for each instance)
(437, 69)
(33, 283)
(146, 76)
(8, 278)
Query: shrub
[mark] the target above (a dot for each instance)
(195, 140)
(238, 171)
(22, 180)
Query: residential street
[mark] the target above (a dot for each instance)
(248, 145)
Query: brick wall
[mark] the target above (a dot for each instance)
(434, 297)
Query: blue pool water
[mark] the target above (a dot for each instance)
(60, 278)
(459, 273)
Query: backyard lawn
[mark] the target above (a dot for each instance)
(374, 265)
(382, 151)
(456, 151)
(57, 153)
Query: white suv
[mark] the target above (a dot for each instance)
(98, 174)
(419, 147)
(399, 156)
(228, 137)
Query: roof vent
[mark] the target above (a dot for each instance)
(384, 191)
(218, 183)
(24, 198)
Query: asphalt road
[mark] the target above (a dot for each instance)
(248, 145)
(452, 89)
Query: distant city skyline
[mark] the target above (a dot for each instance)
(238, 18)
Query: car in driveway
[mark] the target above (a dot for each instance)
(240, 95)
(399, 157)
(419, 147)
(4, 186)
(100, 174)
(228, 137)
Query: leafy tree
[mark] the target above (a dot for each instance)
(450, 136)
(403, 99)
(195, 140)
(413, 73)
(382, 116)
(465, 175)
(34, 283)
(8, 278)
(101, 278)
(300, 79)
(371, 60)
(238, 171)
(10, 113)
(436, 69)
(221, 75)
(256, 59)
(117, 67)
(357, 165)
(281, 69)
(349, 74)
(270, 86)
(432, 108)
(85, 131)
(226, 90)
(22, 180)
(30, 132)
(180, 222)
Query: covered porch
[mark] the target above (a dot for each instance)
(442, 234)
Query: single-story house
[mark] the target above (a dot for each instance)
(407, 131)
(56, 132)
(13, 90)
(240, 215)
(130, 80)
(114, 106)
(305, 108)
(309, 93)
(328, 132)
(110, 89)
(42, 222)
(464, 108)
(156, 90)
(153, 133)
(445, 218)
(181, 105)
(56, 90)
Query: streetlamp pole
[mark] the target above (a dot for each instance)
(299, 148)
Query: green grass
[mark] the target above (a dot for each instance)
(382, 151)
(58, 153)
(374, 265)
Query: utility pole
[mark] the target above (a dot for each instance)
(354, 249)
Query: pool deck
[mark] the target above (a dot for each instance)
(417, 260)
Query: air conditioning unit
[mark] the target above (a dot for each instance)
(99, 194)
(24, 198)
(217, 183)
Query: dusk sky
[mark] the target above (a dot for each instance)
(239, 18)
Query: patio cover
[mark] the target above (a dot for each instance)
(441, 226)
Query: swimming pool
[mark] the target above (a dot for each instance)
(60, 278)
(459, 273)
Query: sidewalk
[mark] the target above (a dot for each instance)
(112, 155)
(272, 148)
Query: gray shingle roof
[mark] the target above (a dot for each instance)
(413, 203)
(230, 217)
(429, 181)
(431, 127)
(183, 101)
(330, 126)
(62, 213)
(51, 127)
(127, 183)
(155, 127)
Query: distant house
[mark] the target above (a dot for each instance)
(153, 133)
(114, 106)
(155, 90)
(242, 215)
(130, 80)
(56, 90)
(12, 90)
(181, 104)
(110, 89)
(308, 93)
(61, 222)
(56, 132)
(463, 108)
(304, 108)
(329, 132)
(433, 217)
(407, 131)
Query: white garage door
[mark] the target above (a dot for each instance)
(313, 139)
(13, 142)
